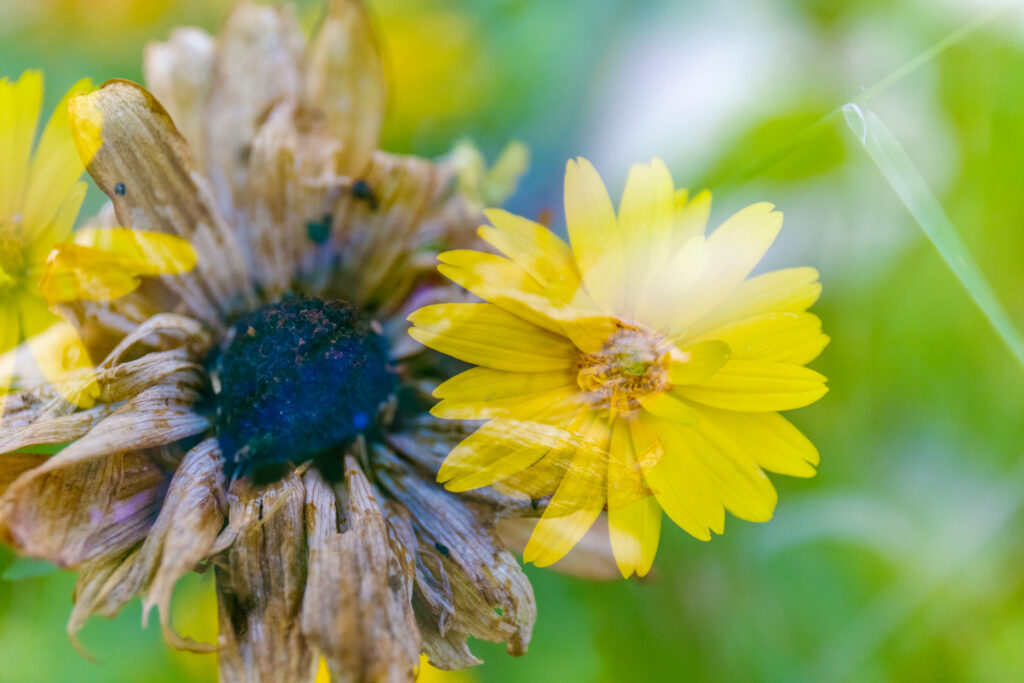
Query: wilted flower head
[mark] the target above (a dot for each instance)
(264, 413)
(636, 369)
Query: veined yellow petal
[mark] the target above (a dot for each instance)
(787, 290)
(779, 337)
(665, 405)
(757, 386)
(9, 335)
(679, 481)
(503, 283)
(698, 362)
(594, 234)
(743, 488)
(576, 504)
(513, 442)
(19, 115)
(668, 293)
(634, 517)
(147, 253)
(645, 223)
(770, 439)
(53, 175)
(482, 393)
(537, 250)
(733, 250)
(484, 334)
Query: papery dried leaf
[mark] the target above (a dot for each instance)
(139, 159)
(83, 510)
(256, 64)
(493, 598)
(357, 609)
(345, 82)
(260, 585)
(103, 588)
(179, 72)
(184, 533)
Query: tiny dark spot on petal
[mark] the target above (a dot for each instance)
(362, 190)
(120, 190)
(441, 548)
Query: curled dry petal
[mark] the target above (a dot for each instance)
(140, 160)
(85, 510)
(179, 73)
(345, 82)
(357, 609)
(491, 598)
(256, 64)
(260, 585)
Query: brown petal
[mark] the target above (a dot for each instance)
(13, 465)
(260, 584)
(56, 430)
(292, 187)
(345, 81)
(179, 73)
(185, 532)
(86, 510)
(160, 415)
(103, 588)
(162, 332)
(357, 609)
(590, 559)
(256, 64)
(378, 226)
(492, 597)
(140, 160)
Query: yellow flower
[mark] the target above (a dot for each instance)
(40, 195)
(637, 369)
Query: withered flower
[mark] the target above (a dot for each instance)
(264, 415)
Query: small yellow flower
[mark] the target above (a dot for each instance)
(636, 369)
(40, 195)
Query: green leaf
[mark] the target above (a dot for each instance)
(904, 178)
(27, 568)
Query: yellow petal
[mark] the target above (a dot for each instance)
(665, 405)
(537, 250)
(484, 334)
(513, 442)
(779, 337)
(757, 386)
(634, 517)
(594, 234)
(770, 439)
(9, 335)
(503, 283)
(679, 481)
(788, 290)
(19, 115)
(645, 223)
(733, 250)
(60, 225)
(482, 393)
(691, 217)
(698, 362)
(147, 253)
(743, 488)
(576, 504)
(64, 361)
(53, 175)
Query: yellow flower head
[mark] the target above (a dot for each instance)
(634, 370)
(40, 195)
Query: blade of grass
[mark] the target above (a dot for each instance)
(905, 179)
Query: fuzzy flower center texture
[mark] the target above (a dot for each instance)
(633, 363)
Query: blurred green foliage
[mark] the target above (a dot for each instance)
(899, 561)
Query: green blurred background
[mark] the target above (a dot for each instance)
(902, 559)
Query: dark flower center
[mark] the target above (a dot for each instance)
(295, 381)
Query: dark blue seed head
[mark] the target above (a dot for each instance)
(295, 381)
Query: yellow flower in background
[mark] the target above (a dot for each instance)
(636, 369)
(40, 196)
